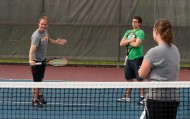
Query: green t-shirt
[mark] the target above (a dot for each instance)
(135, 52)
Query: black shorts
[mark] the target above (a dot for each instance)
(131, 69)
(162, 109)
(38, 72)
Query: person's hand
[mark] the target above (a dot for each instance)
(132, 40)
(61, 41)
(32, 63)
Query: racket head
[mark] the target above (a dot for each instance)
(131, 35)
(58, 62)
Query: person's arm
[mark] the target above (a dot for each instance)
(144, 69)
(125, 42)
(59, 41)
(31, 54)
(136, 43)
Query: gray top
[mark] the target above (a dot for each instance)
(164, 61)
(40, 40)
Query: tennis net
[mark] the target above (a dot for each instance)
(89, 100)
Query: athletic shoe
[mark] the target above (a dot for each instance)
(41, 99)
(125, 98)
(36, 103)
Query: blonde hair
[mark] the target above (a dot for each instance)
(43, 17)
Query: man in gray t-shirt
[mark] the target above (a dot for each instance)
(39, 43)
(40, 40)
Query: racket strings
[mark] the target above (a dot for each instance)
(58, 62)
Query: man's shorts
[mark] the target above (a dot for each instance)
(38, 72)
(132, 67)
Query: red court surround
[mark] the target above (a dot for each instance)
(73, 73)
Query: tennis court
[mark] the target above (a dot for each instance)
(93, 30)
(75, 100)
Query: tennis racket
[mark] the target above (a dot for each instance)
(130, 35)
(145, 113)
(57, 62)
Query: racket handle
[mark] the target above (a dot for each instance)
(39, 63)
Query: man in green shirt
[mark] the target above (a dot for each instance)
(133, 40)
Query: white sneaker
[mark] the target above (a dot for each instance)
(125, 98)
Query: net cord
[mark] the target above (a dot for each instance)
(178, 84)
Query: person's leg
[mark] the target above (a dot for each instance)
(142, 99)
(37, 77)
(35, 94)
(40, 91)
(169, 109)
(136, 65)
(174, 109)
(35, 74)
(142, 92)
(153, 109)
(129, 75)
(128, 90)
(162, 109)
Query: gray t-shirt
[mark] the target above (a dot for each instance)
(165, 66)
(40, 40)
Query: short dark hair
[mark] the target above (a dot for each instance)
(138, 18)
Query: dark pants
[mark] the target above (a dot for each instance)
(132, 67)
(38, 72)
(162, 109)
